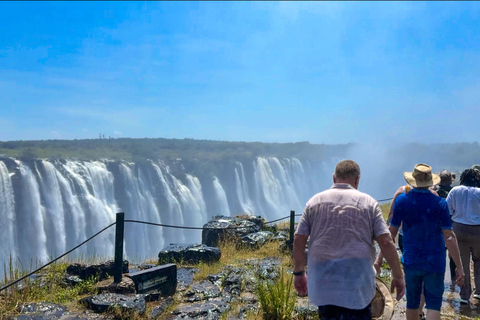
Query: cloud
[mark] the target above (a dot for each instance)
(117, 133)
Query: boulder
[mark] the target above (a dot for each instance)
(100, 271)
(126, 285)
(258, 220)
(185, 278)
(256, 240)
(108, 301)
(220, 227)
(42, 310)
(203, 290)
(188, 253)
(160, 309)
(211, 309)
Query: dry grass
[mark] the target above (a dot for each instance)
(385, 209)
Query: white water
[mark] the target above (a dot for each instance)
(49, 206)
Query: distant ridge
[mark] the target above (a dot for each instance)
(136, 149)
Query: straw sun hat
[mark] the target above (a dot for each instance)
(421, 176)
(383, 304)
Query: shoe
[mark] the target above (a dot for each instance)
(463, 301)
(476, 296)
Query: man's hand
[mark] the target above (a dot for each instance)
(301, 286)
(460, 277)
(398, 284)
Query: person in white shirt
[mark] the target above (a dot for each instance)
(464, 206)
(342, 224)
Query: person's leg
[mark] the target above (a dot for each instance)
(422, 303)
(400, 242)
(433, 290)
(412, 314)
(339, 313)
(414, 283)
(476, 259)
(463, 238)
(433, 314)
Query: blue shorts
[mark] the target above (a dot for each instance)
(432, 285)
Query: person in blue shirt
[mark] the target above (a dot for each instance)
(427, 229)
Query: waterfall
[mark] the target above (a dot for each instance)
(220, 198)
(8, 247)
(49, 206)
(241, 188)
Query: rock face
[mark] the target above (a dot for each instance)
(127, 303)
(189, 253)
(42, 310)
(256, 240)
(100, 271)
(125, 286)
(221, 226)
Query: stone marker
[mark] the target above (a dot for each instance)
(162, 279)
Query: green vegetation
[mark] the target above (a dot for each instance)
(50, 287)
(277, 299)
(165, 149)
(47, 286)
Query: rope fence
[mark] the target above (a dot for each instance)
(119, 240)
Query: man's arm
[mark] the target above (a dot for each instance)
(299, 261)
(387, 247)
(452, 246)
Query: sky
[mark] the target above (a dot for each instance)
(323, 72)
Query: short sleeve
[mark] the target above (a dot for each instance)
(451, 202)
(397, 212)
(379, 225)
(303, 227)
(445, 221)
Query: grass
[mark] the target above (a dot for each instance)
(48, 286)
(277, 298)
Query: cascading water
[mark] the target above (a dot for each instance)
(8, 245)
(49, 206)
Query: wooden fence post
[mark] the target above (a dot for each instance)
(292, 227)
(118, 262)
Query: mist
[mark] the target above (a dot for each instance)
(382, 166)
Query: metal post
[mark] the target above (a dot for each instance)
(292, 227)
(118, 262)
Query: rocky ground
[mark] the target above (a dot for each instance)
(232, 289)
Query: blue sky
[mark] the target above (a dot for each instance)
(324, 72)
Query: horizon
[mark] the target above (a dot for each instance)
(375, 73)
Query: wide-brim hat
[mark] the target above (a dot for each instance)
(383, 304)
(421, 176)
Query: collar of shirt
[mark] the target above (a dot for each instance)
(342, 186)
(421, 190)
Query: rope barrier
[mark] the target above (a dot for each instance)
(193, 228)
(135, 221)
(56, 259)
(388, 199)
